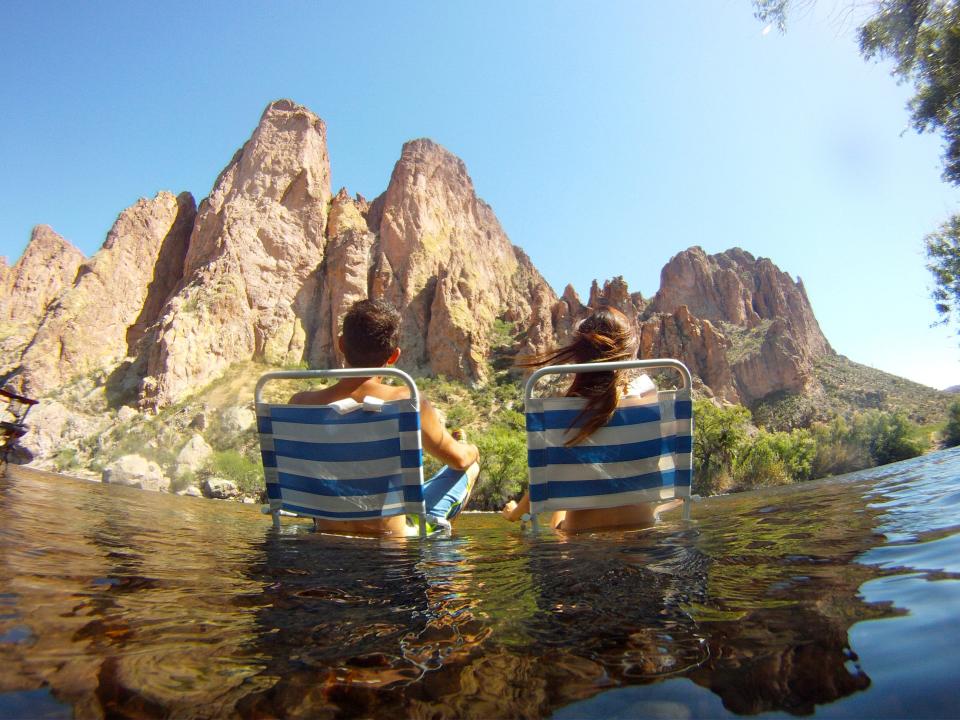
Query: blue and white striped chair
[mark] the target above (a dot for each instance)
(338, 462)
(643, 454)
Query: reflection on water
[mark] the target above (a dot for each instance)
(836, 597)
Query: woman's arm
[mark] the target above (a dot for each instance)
(513, 511)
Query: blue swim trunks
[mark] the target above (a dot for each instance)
(445, 495)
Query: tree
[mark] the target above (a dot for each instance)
(951, 434)
(922, 38)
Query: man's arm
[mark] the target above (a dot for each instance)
(441, 444)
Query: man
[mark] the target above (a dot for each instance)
(370, 338)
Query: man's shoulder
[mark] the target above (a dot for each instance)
(314, 397)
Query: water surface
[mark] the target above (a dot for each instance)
(837, 597)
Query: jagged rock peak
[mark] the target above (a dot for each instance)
(48, 264)
(117, 294)
(250, 276)
(346, 214)
(737, 288)
(447, 262)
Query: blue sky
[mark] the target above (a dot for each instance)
(606, 136)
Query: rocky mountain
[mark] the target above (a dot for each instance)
(266, 266)
(100, 317)
(48, 266)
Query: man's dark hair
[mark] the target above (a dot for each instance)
(371, 332)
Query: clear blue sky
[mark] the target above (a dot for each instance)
(606, 136)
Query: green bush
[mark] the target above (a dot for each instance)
(839, 449)
(232, 465)
(503, 467)
(758, 466)
(951, 435)
(890, 437)
(718, 434)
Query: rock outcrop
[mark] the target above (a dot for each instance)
(771, 336)
(117, 294)
(250, 275)
(737, 288)
(696, 343)
(48, 265)
(437, 251)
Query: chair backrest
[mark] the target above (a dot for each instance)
(643, 454)
(339, 462)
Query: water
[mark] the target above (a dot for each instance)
(838, 598)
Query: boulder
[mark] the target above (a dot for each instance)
(237, 419)
(51, 427)
(190, 491)
(220, 488)
(193, 455)
(136, 471)
(126, 413)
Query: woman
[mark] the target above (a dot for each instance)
(605, 336)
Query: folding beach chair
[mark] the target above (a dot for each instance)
(643, 454)
(345, 461)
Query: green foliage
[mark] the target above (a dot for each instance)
(66, 459)
(757, 465)
(717, 438)
(241, 469)
(503, 467)
(943, 261)
(889, 437)
(951, 434)
(869, 438)
(922, 37)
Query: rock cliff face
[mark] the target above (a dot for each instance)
(250, 270)
(744, 328)
(48, 265)
(736, 288)
(774, 338)
(443, 257)
(267, 266)
(117, 294)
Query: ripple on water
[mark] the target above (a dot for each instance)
(120, 602)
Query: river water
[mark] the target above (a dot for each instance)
(839, 597)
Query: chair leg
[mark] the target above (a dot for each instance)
(687, 502)
(276, 519)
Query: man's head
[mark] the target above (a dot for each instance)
(371, 334)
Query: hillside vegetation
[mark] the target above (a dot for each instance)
(843, 388)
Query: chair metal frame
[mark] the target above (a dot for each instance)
(657, 363)
(11, 432)
(347, 373)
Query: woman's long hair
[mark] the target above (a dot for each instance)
(604, 336)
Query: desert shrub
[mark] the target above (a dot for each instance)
(718, 433)
(795, 449)
(232, 465)
(839, 449)
(889, 437)
(66, 459)
(759, 465)
(951, 434)
(503, 467)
